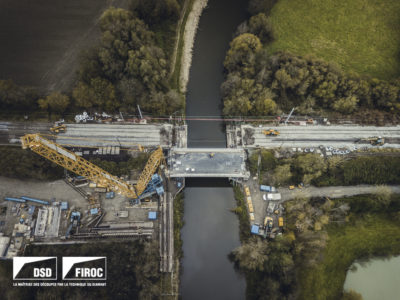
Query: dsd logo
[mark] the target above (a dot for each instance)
(84, 268)
(35, 268)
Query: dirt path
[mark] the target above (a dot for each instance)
(333, 191)
(188, 41)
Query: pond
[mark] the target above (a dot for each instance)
(378, 278)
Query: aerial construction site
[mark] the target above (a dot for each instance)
(90, 203)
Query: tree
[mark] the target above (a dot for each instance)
(241, 53)
(346, 105)
(56, 102)
(351, 295)
(264, 106)
(99, 93)
(261, 26)
(282, 174)
(154, 12)
(251, 256)
(310, 166)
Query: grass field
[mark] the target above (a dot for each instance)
(362, 36)
(369, 236)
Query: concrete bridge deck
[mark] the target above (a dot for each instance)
(207, 162)
(346, 136)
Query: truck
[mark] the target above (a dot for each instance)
(247, 190)
(280, 222)
(267, 188)
(271, 132)
(268, 223)
(275, 197)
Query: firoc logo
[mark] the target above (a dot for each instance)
(35, 268)
(84, 268)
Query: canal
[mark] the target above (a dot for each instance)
(211, 230)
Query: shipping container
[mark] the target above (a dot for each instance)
(275, 197)
(251, 210)
(247, 191)
(267, 188)
(280, 222)
(251, 216)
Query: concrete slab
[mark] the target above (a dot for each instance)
(345, 136)
(205, 162)
(122, 135)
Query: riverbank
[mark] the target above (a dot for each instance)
(189, 35)
(366, 237)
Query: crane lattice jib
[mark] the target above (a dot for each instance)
(156, 158)
(77, 164)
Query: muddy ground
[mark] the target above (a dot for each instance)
(41, 40)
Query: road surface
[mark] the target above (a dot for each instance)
(332, 191)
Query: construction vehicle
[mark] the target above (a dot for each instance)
(268, 223)
(247, 191)
(58, 128)
(271, 132)
(291, 187)
(280, 222)
(267, 188)
(374, 141)
(75, 220)
(80, 166)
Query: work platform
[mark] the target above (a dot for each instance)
(117, 135)
(347, 136)
(207, 162)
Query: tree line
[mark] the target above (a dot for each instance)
(313, 169)
(261, 83)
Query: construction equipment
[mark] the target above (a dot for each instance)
(268, 223)
(58, 128)
(375, 140)
(271, 132)
(74, 163)
(280, 222)
(75, 221)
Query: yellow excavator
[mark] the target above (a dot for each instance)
(80, 166)
(375, 140)
(58, 128)
(271, 132)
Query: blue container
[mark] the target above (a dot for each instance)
(265, 188)
(64, 205)
(15, 199)
(160, 190)
(110, 195)
(35, 200)
(152, 215)
(94, 211)
(31, 209)
(255, 229)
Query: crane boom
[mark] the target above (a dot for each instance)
(74, 163)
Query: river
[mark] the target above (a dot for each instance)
(211, 231)
(376, 279)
